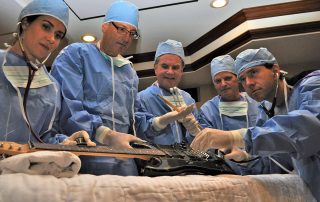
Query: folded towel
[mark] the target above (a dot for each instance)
(56, 163)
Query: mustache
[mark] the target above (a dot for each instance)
(224, 89)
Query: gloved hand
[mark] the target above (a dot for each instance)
(105, 135)
(161, 122)
(216, 139)
(235, 153)
(191, 124)
(72, 139)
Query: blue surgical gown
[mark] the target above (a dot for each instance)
(86, 84)
(209, 117)
(43, 106)
(295, 133)
(151, 106)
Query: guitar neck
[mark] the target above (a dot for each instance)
(12, 148)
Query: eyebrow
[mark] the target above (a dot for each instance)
(251, 70)
(48, 22)
(174, 65)
(123, 26)
(224, 77)
(62, 32)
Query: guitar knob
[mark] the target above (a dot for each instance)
(81, 141)
(155, 161)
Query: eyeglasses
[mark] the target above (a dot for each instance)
(123, 31)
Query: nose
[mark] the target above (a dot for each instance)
(223, 82)
(170, 71)
(249, 81)
(126, 37)
(51, 38)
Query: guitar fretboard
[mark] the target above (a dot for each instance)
(97, 149)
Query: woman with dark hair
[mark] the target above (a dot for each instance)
(30, 97)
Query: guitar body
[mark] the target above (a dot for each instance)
(160, 166)
(182, 160)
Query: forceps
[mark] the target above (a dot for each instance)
(176, 108)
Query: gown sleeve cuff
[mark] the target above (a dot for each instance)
(237, 136)
(101, 134)
(157, 126)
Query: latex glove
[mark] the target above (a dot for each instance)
(210, 138)
(191, 124)
(72, 139)
(236, 154)
(161, 122)
(105, 135)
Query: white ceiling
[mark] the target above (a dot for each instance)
(186, 21)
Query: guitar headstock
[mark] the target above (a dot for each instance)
(12, 148)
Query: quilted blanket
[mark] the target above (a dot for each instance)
(33, 188)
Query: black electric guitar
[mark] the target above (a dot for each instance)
(154, 160)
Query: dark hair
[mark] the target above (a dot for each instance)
(269, 66)
(28, 20)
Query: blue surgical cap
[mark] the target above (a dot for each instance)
(55, 8)
(124, 12)
(170, 47)
(223, 63)
(253, 57)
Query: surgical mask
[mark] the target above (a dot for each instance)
(18, 77)
(118, 61)
(235, 108)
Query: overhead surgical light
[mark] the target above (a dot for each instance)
(218, 3)
(88, 38)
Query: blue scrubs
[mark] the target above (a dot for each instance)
(43, 106)
(152, 106)
(209, 117)
(87, 90)
(295, 133)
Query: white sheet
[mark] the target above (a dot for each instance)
(33, 188)
(56, 163)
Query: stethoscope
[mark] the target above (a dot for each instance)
(271, 112)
